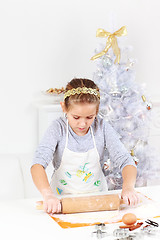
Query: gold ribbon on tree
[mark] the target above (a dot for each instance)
(111, 42)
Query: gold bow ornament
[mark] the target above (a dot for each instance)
(111, 42)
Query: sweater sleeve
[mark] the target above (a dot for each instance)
(118, 154)
(46, 149)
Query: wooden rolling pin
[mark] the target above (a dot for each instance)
(89, 203)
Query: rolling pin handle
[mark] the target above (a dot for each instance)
(61, 207)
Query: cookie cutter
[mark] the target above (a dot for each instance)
(121, 233)
(100, 226)
(125, 234)
(150, 230)
(99, 233)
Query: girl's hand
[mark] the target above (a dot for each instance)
(51, 204)
(130, 196)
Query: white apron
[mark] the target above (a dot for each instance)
(79, 172)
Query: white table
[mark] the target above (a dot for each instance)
(19, 219)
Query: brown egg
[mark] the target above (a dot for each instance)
(129, 218)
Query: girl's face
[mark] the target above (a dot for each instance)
(80, 116)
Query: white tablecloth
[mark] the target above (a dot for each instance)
(19, 219)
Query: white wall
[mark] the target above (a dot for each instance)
(45, 43)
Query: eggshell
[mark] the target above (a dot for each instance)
(129, 218)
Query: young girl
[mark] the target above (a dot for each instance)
(76, 145)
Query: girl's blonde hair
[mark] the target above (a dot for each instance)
(82, 97)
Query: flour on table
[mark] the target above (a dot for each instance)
(89, 217)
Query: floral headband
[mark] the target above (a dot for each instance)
(80, 90)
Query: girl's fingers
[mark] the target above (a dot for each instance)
(53, 207)
(125, 199)
(133, 199)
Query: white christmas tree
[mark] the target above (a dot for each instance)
(125, 105)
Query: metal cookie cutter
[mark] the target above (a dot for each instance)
(121, 233)
(124, 234)
(99, 233)
(151, 228)
(100, 226)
